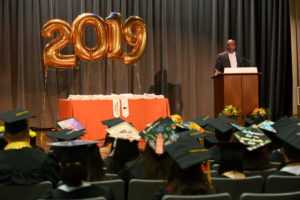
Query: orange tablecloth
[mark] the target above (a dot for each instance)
(90, 113)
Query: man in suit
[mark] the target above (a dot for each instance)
(229, 58)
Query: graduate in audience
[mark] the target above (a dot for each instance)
(94, 161)
(186, 176)
(245, 149)
(155, 162)
(231, 160)
(20, 164)
(95, 164)
(125, 145)
(288, 133)
(150, 166)
(223, 127)
(74, 174)
(257, 160)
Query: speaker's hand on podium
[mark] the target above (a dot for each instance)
(218, 73)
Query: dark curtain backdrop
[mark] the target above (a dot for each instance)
(184, 39)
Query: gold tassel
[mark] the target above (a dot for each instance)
(208, 173)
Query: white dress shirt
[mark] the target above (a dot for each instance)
(233, 60)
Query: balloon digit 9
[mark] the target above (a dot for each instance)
(51, 52)
(85, 53)
(114, 27)
(135, 34)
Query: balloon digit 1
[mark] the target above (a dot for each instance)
(51, 53)
(114, 27)
(135, 34)
(79, 24)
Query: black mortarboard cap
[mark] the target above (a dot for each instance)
(187, 151)
(202, 120)
(290, 134)
(112, 122)
(65, 135)
(206, 135)
(160, 133)
(72, 151)
(252, 138)
(249, 121)
(73, 143)
(282, 123)
(222, 123)
(16, 120)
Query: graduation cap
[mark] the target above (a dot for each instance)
(249, 121)
(202, 120)
(65, 135)
(74, 143)
(123, 131)
(70, 123)
(222, 123)
(206, 135)
(112, 122)
(188, 126)
(159, 134)
(187, 151)
(267, 125)
(282, 123)
(252, 137)
(15, 121)
(73, 151)
(289, 133)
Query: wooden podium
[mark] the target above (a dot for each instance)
(236, 89)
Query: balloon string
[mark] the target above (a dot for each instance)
(44, 97)
(138, 78)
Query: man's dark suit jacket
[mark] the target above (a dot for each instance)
(223, 61)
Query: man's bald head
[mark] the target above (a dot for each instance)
(231, 45)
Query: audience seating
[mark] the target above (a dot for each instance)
(117, 186)
(140, 189)
(112, 176)
(276, 164)
(215, 167)
(280, 184)
(25, 192)
(212, 173)
(271, 196)
(263, 173)
(221, 196)
(94, 198)
(235, 187)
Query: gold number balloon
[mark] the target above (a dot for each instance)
(51, 52)
(109, 39)
(114, 27)
(135, 34)
(79, 24)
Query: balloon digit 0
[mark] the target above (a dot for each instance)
(79, 24)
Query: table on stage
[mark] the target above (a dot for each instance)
(90, 113)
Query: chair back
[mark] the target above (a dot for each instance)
(263, 173)
(280, 184)
(25, 192)
(271, 196)
(221, 196)
(112, 176)
(235, 187)
(117, 187)
(93, 198)
(141, 189)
